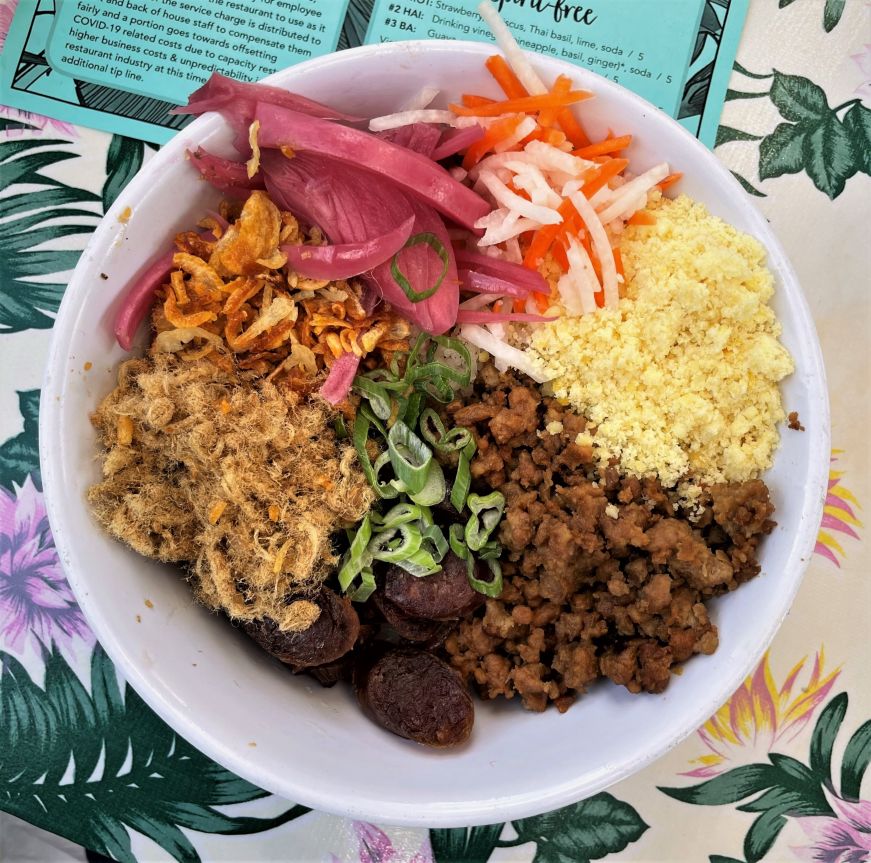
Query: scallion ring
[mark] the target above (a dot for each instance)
(379, 399)
(396, 544)
(410, 456)
(434, 489)
(462, 483)
(492, 588)
(486, 513)
(429, 239)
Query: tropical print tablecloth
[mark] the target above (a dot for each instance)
(778, 773)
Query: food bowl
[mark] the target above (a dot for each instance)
(287, 734)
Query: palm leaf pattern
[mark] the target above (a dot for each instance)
(37, 213)
(356, 23)
(92, 765)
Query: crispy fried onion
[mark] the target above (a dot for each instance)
(252, 237)
(237, 304)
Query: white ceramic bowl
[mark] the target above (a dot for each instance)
(221, 692)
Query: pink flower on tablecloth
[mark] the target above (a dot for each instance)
(839, 515)
(863, 61)
(375, 846)
(759, 715)
(42, 125)
(7, 11)
(35, 599)
(842, 839)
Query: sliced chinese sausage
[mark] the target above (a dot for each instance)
(441, 596)
(417, 696)
(332, 635)
(428, 633)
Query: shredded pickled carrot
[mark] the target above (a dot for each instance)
(670, 180)
(499, 131)
(470, 100)
(561, 87)
(525, 104)
(596, 178)
(504, 75)
(603, 148)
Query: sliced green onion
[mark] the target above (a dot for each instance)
(340, 427)
(457, 542)
(377, 395)
(410, 456)
(400, 513)
(433, 536)
(360, 437)
(387, 378)
(396, 544)
(389, 489)
(492, 588)
(420, 564)
(431, 240)
(411, 413)
(367, 412)
(434, 489)
(486, 513)
(432, 430)
(448, 345)
(462, 483)
(356, 558)
(491, 550)
(414, 353)
(366, 588)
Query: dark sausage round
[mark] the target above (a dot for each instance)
(417, 696)
(428, 633)
(332, 635)
(442, 596)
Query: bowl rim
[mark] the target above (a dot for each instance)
(397, 812)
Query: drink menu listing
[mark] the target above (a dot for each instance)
(652, 59)
(120, 65)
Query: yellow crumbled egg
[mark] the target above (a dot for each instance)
(681, 379)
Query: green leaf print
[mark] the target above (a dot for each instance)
(829, 150)
(729, 787)
(798, 98)
(832, 14)
(781, 152)
(828, 156)
(855, 762)
(857, 123)
(823, 740)
(762, 835)
(747, 186)
(355, 24)
(587, 830)
(19, 455)
(28, 297)
(123, 160)
(788, 788)
(93, 765)
(464, 845)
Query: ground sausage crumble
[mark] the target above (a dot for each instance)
(604, 575)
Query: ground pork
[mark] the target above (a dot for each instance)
(604, 576)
